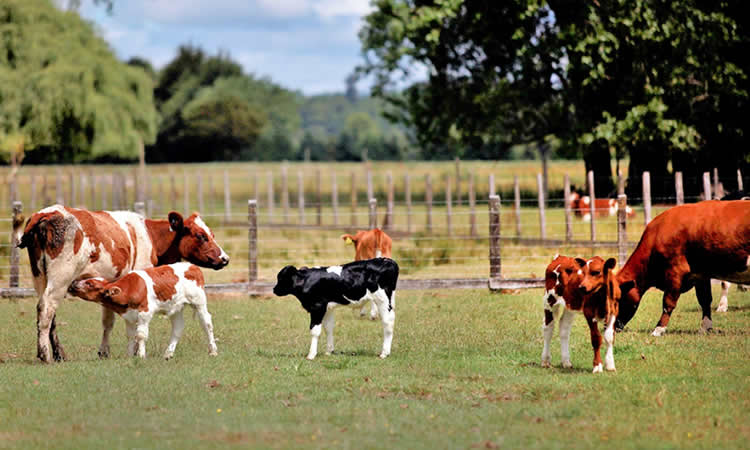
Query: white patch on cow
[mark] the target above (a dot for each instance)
(378, 253)
(580, 271)
(609, 339)
(628, 210)
(587, 217)
(202, 224)
(658, 331)
(586, 200)
(597, 368)
(557, 255)
(335, 269)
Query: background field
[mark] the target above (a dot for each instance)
(464, 373)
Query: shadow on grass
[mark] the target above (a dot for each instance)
(558, 369)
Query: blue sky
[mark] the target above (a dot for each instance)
(305, 45)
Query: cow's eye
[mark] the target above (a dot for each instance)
(202, 238)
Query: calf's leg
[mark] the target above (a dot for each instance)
(596, 343)
(609, 339)
(328, 323)
(548, 329)
(130, 329)
(724, 301)
(108, 322)
(204, 317)
(178, 324)
(387, 311)
(566, 323)
(703, 292)
(316, 317)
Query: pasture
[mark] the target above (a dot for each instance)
(464, 373)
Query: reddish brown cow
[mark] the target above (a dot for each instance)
(369, 244)
(68, 244)
(683, 247)
(603, 207)
(577, 285)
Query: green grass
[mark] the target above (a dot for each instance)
(464, 373)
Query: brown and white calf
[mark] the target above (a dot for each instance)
(603, 207)
(590, 287)
(684, 247)
(67, 244)
(369, 244)
(141, 294)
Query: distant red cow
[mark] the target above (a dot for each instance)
(686, 246)
(603, 207)
(369, 244)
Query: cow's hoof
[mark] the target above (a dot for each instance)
(546, 364)
(213, 352)
(706, 325)
(597, 368)
(103, 353)
(722, 308)
(310, 358)
(611, 368)
(658, 331)
(567, 364)
(168, 356)
(383, 355)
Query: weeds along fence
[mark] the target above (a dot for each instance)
(450, 229)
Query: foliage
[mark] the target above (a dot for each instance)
(63, 92)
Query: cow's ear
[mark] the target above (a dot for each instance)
(175, 221)
(581, 262)
(113, 291)
(610, 264)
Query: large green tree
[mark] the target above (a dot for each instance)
(64, 96)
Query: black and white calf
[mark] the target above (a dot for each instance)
(321, 290)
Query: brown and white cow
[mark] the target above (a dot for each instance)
(686, 246)
(603, 207)
(141, 294)
(67, 244)
(369, 244)
(577, 285)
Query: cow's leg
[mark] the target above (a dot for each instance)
(130, 329)
(596, 343)
(178, 324)
(566, 323)
(141, 334)
(548, 329)
(204, 317)
(609, 339)
(703, 292)
(58, 352)
(387, 310)
(724, 301)
(316, 317)
(669, 302)
(45, 313)
(108, 322)
(328, 323)
(373, 311)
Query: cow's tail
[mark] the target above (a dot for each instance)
(43, 232)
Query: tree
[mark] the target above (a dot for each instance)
(63, 94)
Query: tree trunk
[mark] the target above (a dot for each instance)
(597, 158)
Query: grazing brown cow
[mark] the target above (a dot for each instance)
(603, 207)
(67, 244)
(683, 247)
(369, 244)
(577, 285)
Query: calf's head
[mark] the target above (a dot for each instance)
(196, 241)
(286, 281)
(94, 289)
(561, 272)
(597, 273)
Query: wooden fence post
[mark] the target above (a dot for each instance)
(472, 207)
(335, 199)
(373, 213)
(92, 189)
(491, 180)
(301, 198)
(285, 192)
(718, 189)
(252, 240)
(646, 197)
(592, 207)
(140, 208)
(45, 190)
(59, 196)
(448, 205)
(622, 235)
(740, 184)
(495, 267)
(318, 198)
(72, 191)
(706, 186)
(103, 179)
(115, 185)
(32, 204)
(541, 202)
(15, 252)
(270, 206)
(458, 180)
(388, 225)
(407, 189)
(370, 191)
(353, 192)
(517, 204)
(185, 193)
(227, 198)
(200, 193)
(679, 193)
(568, 212)
(428, 199)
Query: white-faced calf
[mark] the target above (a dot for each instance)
(581, 286)
(321, 290)
(141, 294)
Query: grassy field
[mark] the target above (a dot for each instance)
(464, 373)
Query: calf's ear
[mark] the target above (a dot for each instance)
(175, 221)
(581, 262)
(610, 264)
(113, 291)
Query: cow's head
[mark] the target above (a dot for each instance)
(630, 299)
(196, 241)
(286, 281)
(596, 274)
(91, 289)
(562, 271)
